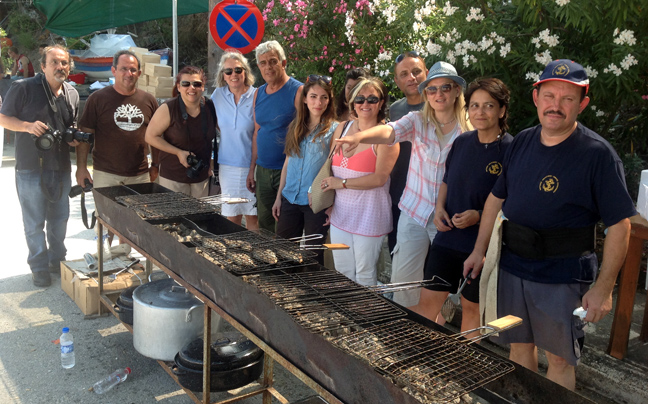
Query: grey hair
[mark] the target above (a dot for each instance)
(270, 46)
(125, 52)
(220, 79)
(43, 55)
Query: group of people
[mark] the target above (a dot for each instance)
(435, 173)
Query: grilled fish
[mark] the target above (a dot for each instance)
(265, 255)
(241, 259)
(290, 255)
(217, 246)
(242, 244)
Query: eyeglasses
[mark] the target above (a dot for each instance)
(194, 84)
(446, 88)
(229, 71)
(412, 54)
(372, 99)
(55, 63)
(314, 78)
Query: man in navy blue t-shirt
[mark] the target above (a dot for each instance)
(559, 179)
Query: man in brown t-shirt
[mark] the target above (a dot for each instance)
(118, 115)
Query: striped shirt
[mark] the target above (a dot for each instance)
(427, 165)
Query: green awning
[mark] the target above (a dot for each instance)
(75, 18)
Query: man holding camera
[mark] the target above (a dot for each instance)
(32, 108)
(118, 115)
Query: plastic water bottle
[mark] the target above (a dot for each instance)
(111, 381)
(67, 349)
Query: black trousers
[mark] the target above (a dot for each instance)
(297, 219)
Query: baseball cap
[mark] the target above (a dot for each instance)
(442, 69)
(565, 70)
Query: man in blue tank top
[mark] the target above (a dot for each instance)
(558, 181)
(275, 104)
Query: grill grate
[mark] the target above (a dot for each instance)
(326, 302)
(250, 252)
(165, 205)
(431, 366)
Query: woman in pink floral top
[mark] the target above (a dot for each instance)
(361, 214)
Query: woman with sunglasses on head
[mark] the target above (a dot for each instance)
(183, 129)
(432, 132)
(234, 99)
(472, 167)
(353, 76)
(361, 214)
(307, 147)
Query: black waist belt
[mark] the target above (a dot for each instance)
(548, 243)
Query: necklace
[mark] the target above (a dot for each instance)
(444, 124)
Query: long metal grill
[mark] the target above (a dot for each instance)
(431, 366)
(249, 252)
(326, 302)
(166, 205)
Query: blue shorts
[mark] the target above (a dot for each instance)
(547, 316)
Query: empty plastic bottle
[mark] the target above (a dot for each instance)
(111, 381)
(67, 349)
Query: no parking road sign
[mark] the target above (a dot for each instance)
(236, 24)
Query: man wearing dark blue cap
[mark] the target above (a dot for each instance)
(559, 180)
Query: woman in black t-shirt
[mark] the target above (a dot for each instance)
(472, 167)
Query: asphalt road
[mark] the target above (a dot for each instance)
(31, 318)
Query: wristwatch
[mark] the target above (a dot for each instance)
(344, 183)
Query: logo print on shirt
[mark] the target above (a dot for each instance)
(128, 117)
(494, 167)
(549, 184)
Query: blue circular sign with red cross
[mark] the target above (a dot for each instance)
(236, 24)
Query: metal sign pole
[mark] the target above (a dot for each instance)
(175, 38)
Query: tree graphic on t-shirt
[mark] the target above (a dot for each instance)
(128, 117)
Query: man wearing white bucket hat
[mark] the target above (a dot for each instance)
(432, 132)
(558, 180)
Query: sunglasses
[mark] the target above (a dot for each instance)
(314, 78)
(229, 71)
(446, 88)
(194, 84)
(372, 99)
(412, 54)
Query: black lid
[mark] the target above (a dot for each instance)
(126, 296)
(229, 351)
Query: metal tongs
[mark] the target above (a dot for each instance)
(223, 199)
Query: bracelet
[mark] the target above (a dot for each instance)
(156, 165)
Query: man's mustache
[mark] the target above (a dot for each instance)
(554, 112)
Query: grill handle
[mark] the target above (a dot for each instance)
(494, 327)
(397, 287)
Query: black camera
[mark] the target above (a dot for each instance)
(195, 166)
(78, 189)
(52, 137)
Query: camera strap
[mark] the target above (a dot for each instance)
(84, 214)
(203, 118)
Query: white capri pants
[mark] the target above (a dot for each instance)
(358, 263)
(409, 255)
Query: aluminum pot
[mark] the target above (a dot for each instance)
(166, 316)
